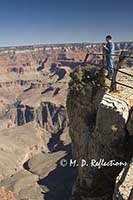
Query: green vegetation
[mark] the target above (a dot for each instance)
(85, 79)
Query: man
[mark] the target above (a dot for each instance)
(109, 50)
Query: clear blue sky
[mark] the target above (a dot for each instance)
(24, 22)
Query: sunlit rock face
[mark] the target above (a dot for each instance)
(98, 129)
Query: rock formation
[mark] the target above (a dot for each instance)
(124, 184)
(18, 144)
(100, 128)
(24, 186)
(34, 128)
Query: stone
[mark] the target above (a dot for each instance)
(124, 183)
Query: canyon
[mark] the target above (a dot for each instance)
(38, 129)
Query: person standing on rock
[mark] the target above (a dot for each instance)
(109, 50)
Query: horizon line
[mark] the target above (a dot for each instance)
(63, 43)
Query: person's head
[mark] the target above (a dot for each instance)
(108, 38)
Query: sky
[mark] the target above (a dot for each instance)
(26, 22)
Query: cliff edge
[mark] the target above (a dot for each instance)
(100, 126)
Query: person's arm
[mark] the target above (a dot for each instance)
(109, 48)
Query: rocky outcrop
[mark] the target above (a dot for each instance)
(52, 117)
(98, 128)
(17, 114)
(17, 145)
(42, 164)
(48, 115)
(56, 181)
(124, 181)
(59, 72)
(124, 184)
(48, 132)
(23, 186)
(25, 114)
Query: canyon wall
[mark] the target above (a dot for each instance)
(100, 128)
